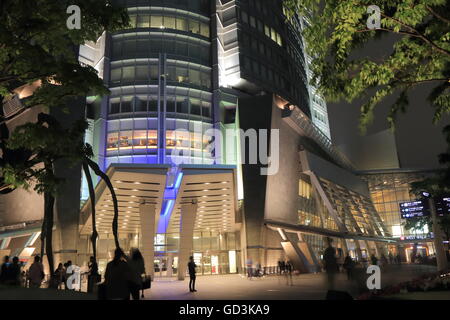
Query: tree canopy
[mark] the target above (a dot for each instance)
(37, 45)
(337, 29)
(37, 49)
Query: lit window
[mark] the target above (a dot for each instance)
(396, 230)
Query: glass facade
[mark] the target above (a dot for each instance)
(388, 190)
(160, 77)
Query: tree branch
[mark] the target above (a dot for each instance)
(437, 15)
(419, 35)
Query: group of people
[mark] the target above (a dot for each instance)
(12, 274)
(124, 275)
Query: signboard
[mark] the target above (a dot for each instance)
(415, 209)
(442, 206)
(421, 208)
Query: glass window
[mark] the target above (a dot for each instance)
(182, 75)
(141, 104)
(204, 29)
(181, 48)
(181, 24)
(115, 75)
(169, 22)
(153, 105)
(267, 30)
(183, 105)
(126, 139)
(133, 19)
(172, 73)
(244, 16)
(115, 107)
(143, 21)
(154, 72)
(196, 107)
(170, 105)
(156, 22)
(113, 141)
(206, 110)
(252, 21)
(142, 73)
(273, 34)
(140, 139)
(152, 139)
(205, 79)
(128, 74)
(194, 26)
(260, 26)
(126, 105)
(279, 40)
(194, 77)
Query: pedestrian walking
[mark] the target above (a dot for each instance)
(117, 277)
(93, 275)
(249, 268)
(330, 264)
(288, 271)
(4, 270)
(192, 274)
(349, 265)
(36, 273)
(137, 266)
(59, 276)
(373, 260)
(14, 273)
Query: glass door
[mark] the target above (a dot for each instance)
(214, 264)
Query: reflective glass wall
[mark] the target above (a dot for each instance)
(160, 78)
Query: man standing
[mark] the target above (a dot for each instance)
(192, 277)
(4, 270)
(331, 266)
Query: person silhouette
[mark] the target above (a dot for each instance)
(192, 274)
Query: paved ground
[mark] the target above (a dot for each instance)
(236, 287)
(305, 286)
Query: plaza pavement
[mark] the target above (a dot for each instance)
(304, 286)
(237, 287)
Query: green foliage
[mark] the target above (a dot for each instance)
(420, 55)
(35, 44)
(48, 142)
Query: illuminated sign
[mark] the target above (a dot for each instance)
(443, 206)
(415, 209)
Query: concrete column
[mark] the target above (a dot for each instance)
(187, 223)
(369, 250)
(149, 219)
(169, 264)
(344, 246)
(381, 248)
(358, 250)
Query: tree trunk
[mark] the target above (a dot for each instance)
(49, 200)
(94, 235)
(49, 204)
(105, 178)
(43, 231)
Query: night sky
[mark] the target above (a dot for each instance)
(419, 142)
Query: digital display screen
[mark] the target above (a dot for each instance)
(414, 209)
(443, 206)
